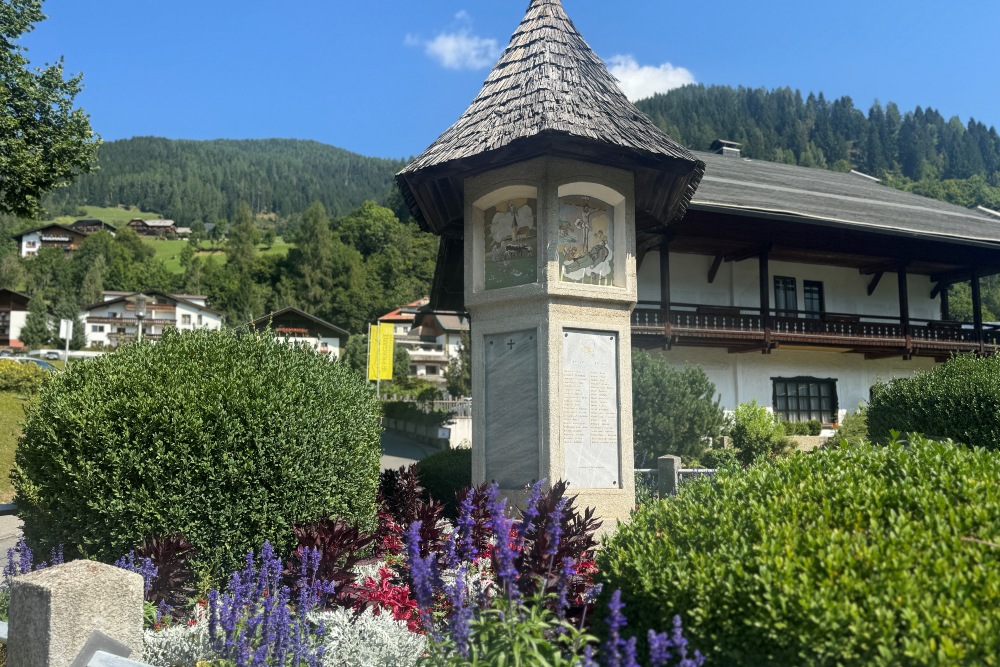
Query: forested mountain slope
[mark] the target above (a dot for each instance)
(206, 180)
(917, 150)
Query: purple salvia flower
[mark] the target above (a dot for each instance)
(421, 570)
(555, 528)
(213, 617)
(504, 556)
(530, 510)
(659, 648)
(461, 612)
(26, 558)
(465, 528)
(566, 574)
(616, 651)
(588, 657)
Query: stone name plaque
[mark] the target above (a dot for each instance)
(589, 389)
(511, 447)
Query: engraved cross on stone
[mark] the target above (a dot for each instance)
(510, 344)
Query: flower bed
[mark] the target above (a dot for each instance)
(492, 583)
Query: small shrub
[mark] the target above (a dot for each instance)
(25, 378)
(857, 555)
(811, 427)
(959, 399)
(756, 433)
(444, 474)
(674, 410)
(226, 439)
(853, 429)
(415, 413)
(721, 458)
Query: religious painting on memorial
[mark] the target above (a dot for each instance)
(588, 386)
(511, 238)
(586, 240)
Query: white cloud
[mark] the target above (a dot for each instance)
(460, 48)
(641, 81)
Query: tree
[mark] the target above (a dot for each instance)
(66, 310)
(674, 410)
(458, 374)
(36, 332)
(44, 141)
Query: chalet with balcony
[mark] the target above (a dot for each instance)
(153, 227)
(13, 313)
(298, 327)
(801, 287)
(51, 235)
(121, 316)
(89, 226)
(797, 287)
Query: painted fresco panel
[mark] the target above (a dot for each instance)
(511, 240)
(586, 240)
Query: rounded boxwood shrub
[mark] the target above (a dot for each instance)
(225, 438)
(444, 473)
(855, 555)
(959, 399)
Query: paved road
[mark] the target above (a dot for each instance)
(397, 450)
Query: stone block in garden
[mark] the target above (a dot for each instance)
(56, 611)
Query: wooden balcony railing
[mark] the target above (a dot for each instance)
(699, 323)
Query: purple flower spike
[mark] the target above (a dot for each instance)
(530, 509)
(618, 652)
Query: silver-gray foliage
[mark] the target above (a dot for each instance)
(368, 640)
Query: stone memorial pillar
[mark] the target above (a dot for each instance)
(545, 192)
(550, 283)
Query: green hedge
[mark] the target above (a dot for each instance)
(227, 439)
(444, 473)
(20, 377)
(959, 399)
(855, 555)
(414, 413)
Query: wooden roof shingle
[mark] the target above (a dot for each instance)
(550, 94)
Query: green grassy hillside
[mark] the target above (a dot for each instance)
(169, 251)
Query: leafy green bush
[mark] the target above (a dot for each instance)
(856, 555)
(756, 432)
(674, 410)
(719, 457)
(959, 399)
(415, 413)
(225, 438)
(811, 427)
(20, 377)
(854, 428)
(444, 473)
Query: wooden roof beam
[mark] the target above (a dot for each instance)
(892, 265)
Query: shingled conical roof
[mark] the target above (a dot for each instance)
(550, 95)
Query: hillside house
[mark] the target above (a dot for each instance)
(51, 235)
(296, 326)
(89, 226)
(13, 313)
(112, 321)
(431, 338)
(153, 227)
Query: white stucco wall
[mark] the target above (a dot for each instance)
(740, 378)
(17, 319)
(30, 243)
(736, 284)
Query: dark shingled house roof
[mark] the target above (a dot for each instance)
(770, 190)
(549, 94)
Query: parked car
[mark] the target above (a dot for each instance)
(38, 362)
(52, 354)
(6, 353)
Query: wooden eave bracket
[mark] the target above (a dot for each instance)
(874, 282)
(712, 272)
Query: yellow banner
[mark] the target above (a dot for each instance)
(387, 344)
(373, 358)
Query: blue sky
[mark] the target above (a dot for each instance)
(386, 77)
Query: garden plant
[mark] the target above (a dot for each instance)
(226, 438)
(853, 555)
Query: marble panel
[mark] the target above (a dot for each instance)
(589, 388)
(512, 420)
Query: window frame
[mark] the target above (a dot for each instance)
(817, 285)
(781, 308)
(798, 412)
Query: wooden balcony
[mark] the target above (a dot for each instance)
(746, 330)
